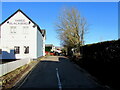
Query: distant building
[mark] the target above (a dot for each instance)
(21, 37)
(49, 47)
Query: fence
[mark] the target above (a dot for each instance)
(8, 67)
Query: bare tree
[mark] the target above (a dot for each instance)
(83, 29)
(71, 28)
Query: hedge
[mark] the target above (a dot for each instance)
(102, 60)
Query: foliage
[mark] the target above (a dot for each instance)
(48, 49)
(102, 60)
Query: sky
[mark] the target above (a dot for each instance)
(102, 18)
(60, 0)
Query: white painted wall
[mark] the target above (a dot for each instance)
(0, 47)
(31, 37)
(43, 46)
(39, 44)
(8, 67)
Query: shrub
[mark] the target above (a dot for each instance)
(103, 61)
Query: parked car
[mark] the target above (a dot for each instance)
(52, 53)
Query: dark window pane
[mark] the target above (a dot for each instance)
(26, 48)
(16, 49)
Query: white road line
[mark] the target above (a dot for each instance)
(59, 82)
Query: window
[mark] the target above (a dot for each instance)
(26, 49)
(16, 49)
(13, 29)
(25, 29)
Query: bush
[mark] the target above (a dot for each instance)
(103, 61)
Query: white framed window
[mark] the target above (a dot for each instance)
(16, 49)
(25, 29)
(13, 29)
(26, 49)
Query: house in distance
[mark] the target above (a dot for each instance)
(50, 49)
(21, 37)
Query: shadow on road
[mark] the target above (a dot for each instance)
(49, 61)
(55, 72)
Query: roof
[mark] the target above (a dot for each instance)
(48, 45)
(43, 32)
(26, 16)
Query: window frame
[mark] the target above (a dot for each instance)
(26, 49)
(25, 29)
(13, 29)
(16, 49)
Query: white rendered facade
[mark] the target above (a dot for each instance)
(21, 38)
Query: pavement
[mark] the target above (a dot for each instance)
(57, 72)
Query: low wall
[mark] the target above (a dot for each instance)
(8, 67)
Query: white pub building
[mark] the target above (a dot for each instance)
(21, 38)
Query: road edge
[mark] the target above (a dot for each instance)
(19, 82)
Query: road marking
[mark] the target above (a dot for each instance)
(58, 77)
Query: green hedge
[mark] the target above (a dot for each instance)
(103, 52)
(103, 61)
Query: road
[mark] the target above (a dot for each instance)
(59, 73)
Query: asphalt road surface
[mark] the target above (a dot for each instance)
(58, 73)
